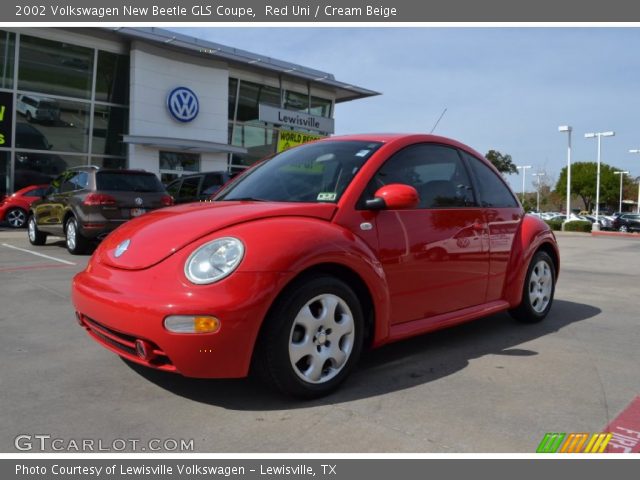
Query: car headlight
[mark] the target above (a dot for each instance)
(214, 260)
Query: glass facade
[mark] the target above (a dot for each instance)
(260, 138)
(175, 164)
(70, 105)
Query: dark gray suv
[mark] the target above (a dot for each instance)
(86, 203)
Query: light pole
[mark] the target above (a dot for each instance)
(598, 135)
(538, 175)
(638, 206)
(524, 176)
(568, 129)
(622, 174)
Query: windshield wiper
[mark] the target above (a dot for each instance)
(242, 199)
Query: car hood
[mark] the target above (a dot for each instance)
(158, 234)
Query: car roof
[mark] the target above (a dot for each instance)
(393, 137)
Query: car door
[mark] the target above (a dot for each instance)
(50, 210)
(504, 216)
(436, 256)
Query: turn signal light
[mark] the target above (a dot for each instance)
(192, 324)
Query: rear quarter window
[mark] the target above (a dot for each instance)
(128, 182)
(492, 191)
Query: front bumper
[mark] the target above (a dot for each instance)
(118, 307)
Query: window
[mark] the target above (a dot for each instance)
(173, 188)
(493, 191)
(7, 60)
(251, 96)
(37, 192)
(74, 181)
(55, 68)
(435, 171)
(109, 124)
(233, 90)
(36, 168)
(112, 78)
(189, 188)
(128, 182)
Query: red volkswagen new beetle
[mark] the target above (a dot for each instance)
(315, 254)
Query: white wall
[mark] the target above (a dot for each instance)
(154, 73)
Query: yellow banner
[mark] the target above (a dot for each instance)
(288, 139)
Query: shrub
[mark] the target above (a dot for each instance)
(554, 224)
(578, 226)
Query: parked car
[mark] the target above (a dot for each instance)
(38, 109)
(86, 203)
(197, 187)
(310, 257)
(14, 208)
(627, 222)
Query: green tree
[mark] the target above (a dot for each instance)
(583, 184)
(503, 163)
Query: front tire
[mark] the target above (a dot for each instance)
(36, 237)
(538, 290)
(624, 229)
(313, 337)
(76, 243)
(16, 218)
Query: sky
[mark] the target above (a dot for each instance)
(506, 89)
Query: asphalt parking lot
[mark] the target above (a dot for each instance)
(489, 386)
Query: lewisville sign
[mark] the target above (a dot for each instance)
(291, 118)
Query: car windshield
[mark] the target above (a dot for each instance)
(128, 182)
(317, 172)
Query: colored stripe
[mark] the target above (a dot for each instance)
(66, 262)
(574, 442)
(596, 446)
(585, 436)
(605, 442)
(550, 442)
(590, 444)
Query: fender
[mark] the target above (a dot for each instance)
(533, 234)
(291, 245)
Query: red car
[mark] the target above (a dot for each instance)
(314, 255)
(14, 208)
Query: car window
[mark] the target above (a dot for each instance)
(174, 187)
(128, 182)
(493, 191)
(37, 192)
(189, 188)
(70, 181)
(435, 171)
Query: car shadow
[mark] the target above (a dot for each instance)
(394, 367)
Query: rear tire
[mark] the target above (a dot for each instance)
(36, 237)
(16, 217)
(538, 290)
(312, 338)
(76, 243)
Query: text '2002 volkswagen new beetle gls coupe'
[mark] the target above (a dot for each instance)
(314, 255)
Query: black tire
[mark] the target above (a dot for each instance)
(624, 229)
(273, 359)
(76, 243)
(36, 237)
(16, 218)
(530, 311)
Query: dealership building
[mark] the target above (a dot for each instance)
(150, 99)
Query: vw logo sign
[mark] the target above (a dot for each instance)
(120, 249)
(138, 201)
(183, 104)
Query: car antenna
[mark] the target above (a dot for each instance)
(438, 121)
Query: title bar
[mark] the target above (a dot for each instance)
(313, 11)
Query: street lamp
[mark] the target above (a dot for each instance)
(638, 206)
(524, 175)
(598, 135)
(538, 175)
(622, 174)
(568, 129)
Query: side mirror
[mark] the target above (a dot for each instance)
(395, 196)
